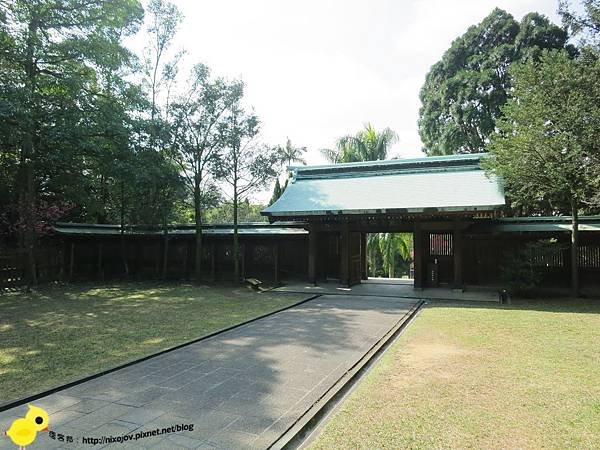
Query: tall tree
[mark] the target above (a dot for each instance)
(585, 25)
(388, 246)
(245, 166)
(547, 146)
(51, 50)
(292, 154)
(277, 191)
(159, 72)
(199, 119)
(464, 92)
(366, 145)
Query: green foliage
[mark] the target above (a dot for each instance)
(197, 141)
(523, 269)
(586, 25)
(389, 254)
(547, 148)
(464, 92)
(291, 154)
(278, 190)
(367, 145)
(223, 213)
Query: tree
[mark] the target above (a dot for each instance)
(547, 147)
(367, 145)
(464, 92)
(388, 246)
(586, 25)
(291, 154)
(52, 53)
(199, 121)
(245, 166)
(277, 191)
(164, 19)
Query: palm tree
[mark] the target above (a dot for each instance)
(367, 145)
(388, 245)
(292, 154)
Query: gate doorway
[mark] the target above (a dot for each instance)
(390, 256)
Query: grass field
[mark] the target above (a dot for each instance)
(470, 376)
(58, 334)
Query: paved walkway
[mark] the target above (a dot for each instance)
(393, 287)
(240, 389)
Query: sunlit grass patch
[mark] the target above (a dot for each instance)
(475, 376)
(58, 334)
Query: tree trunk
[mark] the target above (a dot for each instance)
(27, 196)
(198, 221)
(236, 246)
(574, 249)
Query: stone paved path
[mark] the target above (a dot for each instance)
(240, 389)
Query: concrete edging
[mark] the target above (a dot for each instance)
(301, 430)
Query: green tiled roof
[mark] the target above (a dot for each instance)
(538, 224)
(249, 228)
(442, 183)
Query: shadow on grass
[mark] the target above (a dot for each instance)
(247, 385)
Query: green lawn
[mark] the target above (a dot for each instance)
(469, 376)
(58, 334)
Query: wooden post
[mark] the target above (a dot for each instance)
(364, 260)
(243, 258)
(71, 260)
(457, 244)
(157, 259)
(312, 256)
(184, 259)
(100, 259)
(418, 256)
(213, 261)
(63, 250)
(276, 260)
(345, 257)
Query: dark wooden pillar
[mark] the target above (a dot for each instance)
(243, 257)
(72, 260)
(213, 261)
(157, 258)
(184, 259)
(276, 261)
(99, 259)
(345, 257)
(63, 250)
(364, 260)
(312, 256)
(457, 244)
(418, 257)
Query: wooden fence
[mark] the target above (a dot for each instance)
(49, 266)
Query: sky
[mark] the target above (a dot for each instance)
(315, 70)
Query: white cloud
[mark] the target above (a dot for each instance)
(318, 69)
